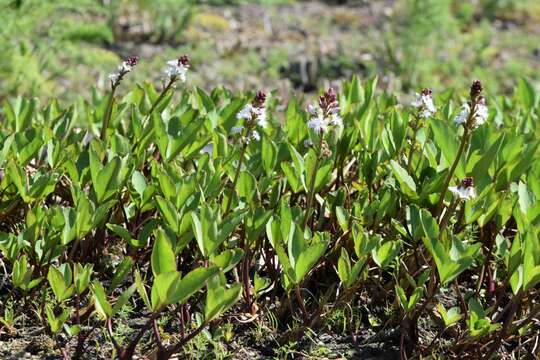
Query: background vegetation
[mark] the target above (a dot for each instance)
(65, 48)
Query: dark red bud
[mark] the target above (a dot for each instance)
(183, 60)
(427, 91)
(476, 89)
(467, 182)
(132, 60)
(259, 99)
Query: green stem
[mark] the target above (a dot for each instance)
(311, 192)
(161, 96)
(154, 106)
(108, 113)
(411, 151)
(464, 141)
(236, 177)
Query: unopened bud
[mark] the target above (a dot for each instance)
(476, 89)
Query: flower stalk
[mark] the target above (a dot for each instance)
(471, 116)
(313, 178)
(324, 116)
(253, 114)
(115, 79)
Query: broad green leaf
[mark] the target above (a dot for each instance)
(405, 181)
(163, 257)
(182, 289)
(307, 259)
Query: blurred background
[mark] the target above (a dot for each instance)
(65, 48)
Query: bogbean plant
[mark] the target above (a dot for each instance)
(199, 208)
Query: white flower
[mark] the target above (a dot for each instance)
(464, 193)
(424, 101)
(113, 77)
(318, 124)
(336, 120)
(255, 135)
(261, 117)
(249, 112)
(176, 69)
(308, 143)
(480, 115)
(208, 149)
(125, 67)
(87, 138)
(463, 114)
(236, 129)
(313, 110)
(245, 113)
(325, 114)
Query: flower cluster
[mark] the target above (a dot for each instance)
(424, 102)
(465, 191)
(177, 69)
(126, 66)
(475, 112)
(326, 113)
(253, 113)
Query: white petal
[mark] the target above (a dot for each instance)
(428, 103)
(417, 102)
(318, 124)
(208, 149)
(312, 109)
(481, 114)
(463, 115)
(336, 120)
(114, 77)
(245, 113)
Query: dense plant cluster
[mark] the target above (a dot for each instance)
(194, 210)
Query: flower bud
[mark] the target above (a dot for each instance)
(476, 89)
(184, 61)
(467, 182)
(259, 99)
(427, 92)
(132, 60)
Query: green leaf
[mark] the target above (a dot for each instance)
(102, 306)
(163, 257)
(181, 290)
(169, 213)
(386, 253)
(246, 186)
(62, 289)
(228, 259)
(56, 323)
(141, 289)
(307, 259)
(121, 272)
(344, 267)
(124, 298)
(273, 231)
(451, 316)
(269, 155)
(448, 141)
(406, 182)
(219, 299)
(526, 94)
(105, 179)
(81, 276)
